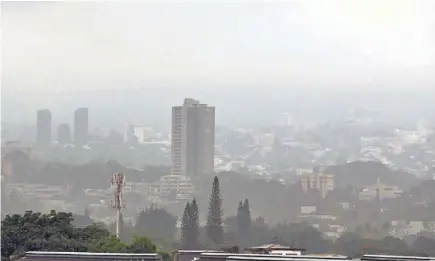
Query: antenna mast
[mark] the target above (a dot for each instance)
(118, 181)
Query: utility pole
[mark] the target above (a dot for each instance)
(118, 181)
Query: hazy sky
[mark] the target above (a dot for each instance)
(86, 45)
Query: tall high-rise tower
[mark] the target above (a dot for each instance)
(193, 138)
(43, 128)
(63, 134)
(81, 125)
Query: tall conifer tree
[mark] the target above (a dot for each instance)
(214, 229)
(246, 220)
(243, 221)
(240, 219)
(194, 224)
(185, 227)
(247, 212)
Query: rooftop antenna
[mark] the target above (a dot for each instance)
(118, 181)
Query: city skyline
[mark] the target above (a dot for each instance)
(44, 129)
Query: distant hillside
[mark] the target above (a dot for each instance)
(94, 174)
(362, 174)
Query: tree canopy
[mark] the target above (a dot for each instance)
(54, 232)
(156, 223)
(190, 226)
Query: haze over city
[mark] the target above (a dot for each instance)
(275, 128)
(119, 45)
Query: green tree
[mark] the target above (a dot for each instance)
(247, 210)
(214, 229)
(93, 232)
(185, 227)
(156, 223)
(194, 227)
(142, 245)
(246, 224)
(349, 244)
(301, 235)
(111, 244)
(244, 221)
(240, 219)
(44, 232)
(190, 226)
(394, 246)
(55, 232)
(260, 233)
(354, 245)
(424, 245)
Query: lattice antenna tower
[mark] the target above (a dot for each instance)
(118, 182)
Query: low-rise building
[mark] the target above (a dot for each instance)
(178, 184)
(318, 181)
(380, 190)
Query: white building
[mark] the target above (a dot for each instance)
(181, 185)
(284, 119)
(138, 133)
(318, 181)
(193, 139)
(385, 192)
(143, 134)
